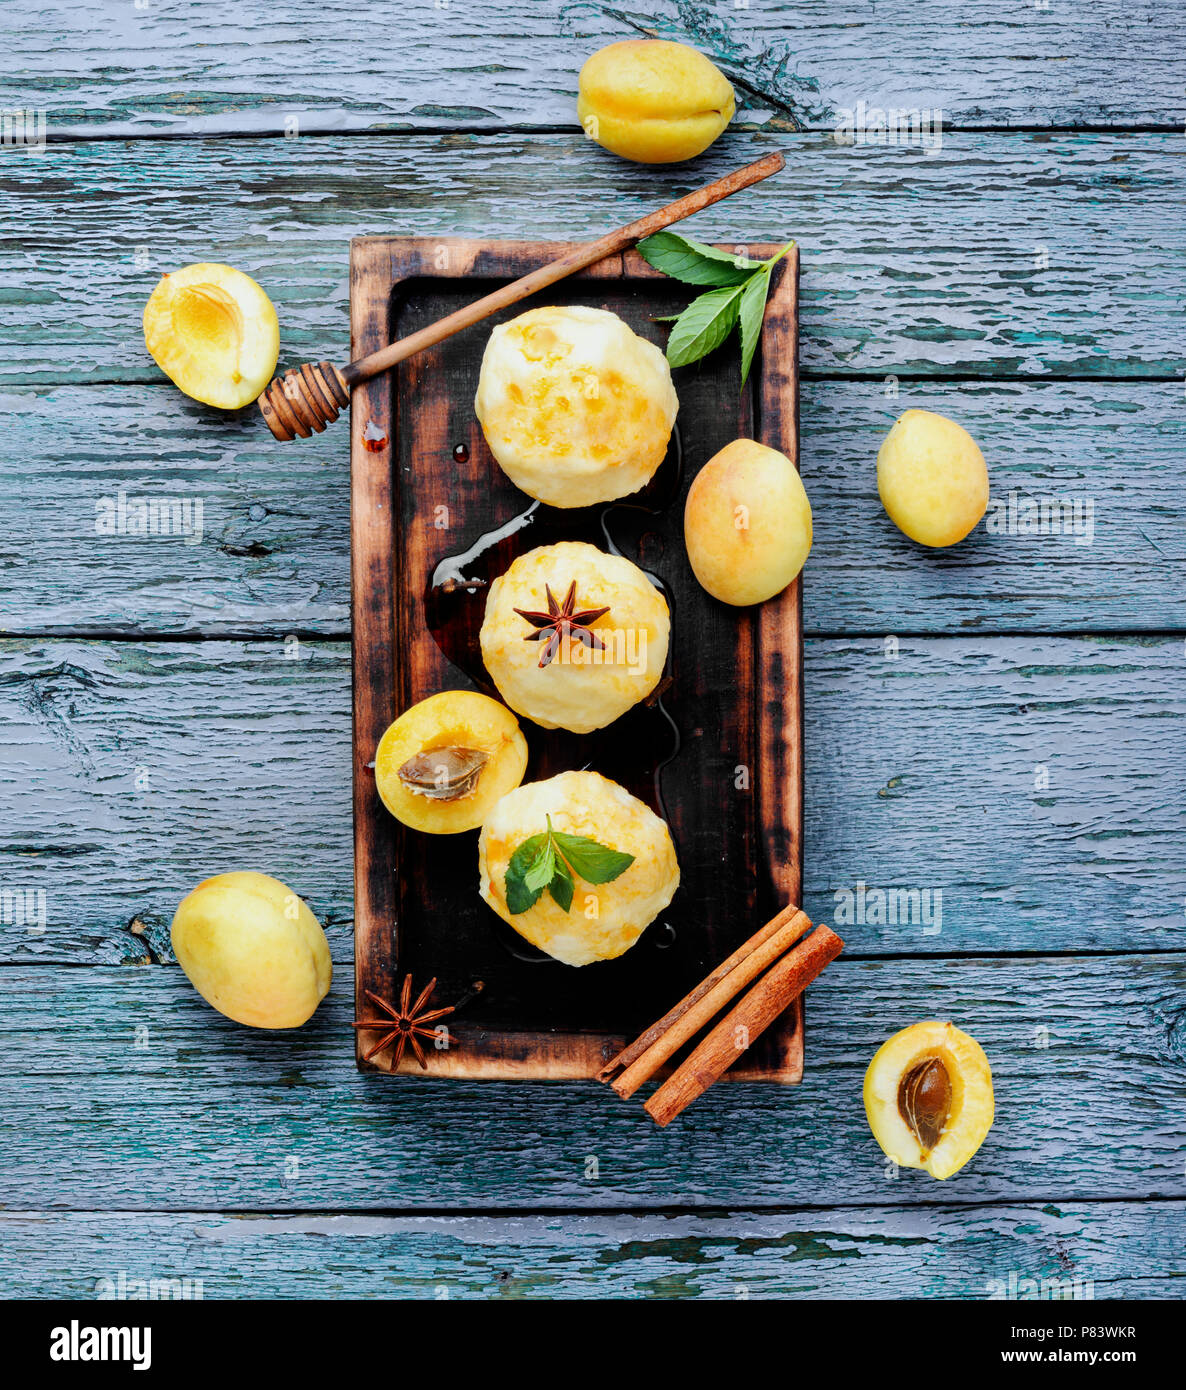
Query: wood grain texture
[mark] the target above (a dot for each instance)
(269, 548)
(233, 66)
(116, 774)
(150, 1099)
(1124, 1250)
(274, 557)
(376, 547)
(1113, 451)
(135, 768)
(911, 264)
(922, 771)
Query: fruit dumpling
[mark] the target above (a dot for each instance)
(574, 637)
(213, 331)
(928, 1097)
(577, 865)
(445, 761)
(575, 406)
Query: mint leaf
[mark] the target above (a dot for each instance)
(742, 287)
(562, 886)
(704, 325)
(518, 898)
(540, 870)
(537, 864)
(693, 262)
(521, 895)
(594, 862)
(751, 312)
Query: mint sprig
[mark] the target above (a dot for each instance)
(738, 298)
(551, 859)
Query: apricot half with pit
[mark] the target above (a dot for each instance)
(928, 1097)
(214, 332)
(445, 761)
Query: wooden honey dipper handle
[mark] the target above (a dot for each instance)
(308, 398)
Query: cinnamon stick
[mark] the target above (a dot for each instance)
(773, 993)
(707, 1000)
(627, 1055)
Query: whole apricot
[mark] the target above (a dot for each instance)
(653, 101)
(445, 761)
(747, 523)
(932, 478)
(214, 332)
(253, 950)
(929, 1098)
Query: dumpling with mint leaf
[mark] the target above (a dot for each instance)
(577, 865)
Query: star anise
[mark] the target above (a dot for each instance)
(403, 1024)
(560, 619)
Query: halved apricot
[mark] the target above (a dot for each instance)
(446, 761)
(928, 1097)
(213, 331)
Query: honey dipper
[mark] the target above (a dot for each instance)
(307, 398)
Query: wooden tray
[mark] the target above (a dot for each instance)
(425, 487)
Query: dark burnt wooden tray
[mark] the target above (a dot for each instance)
(424, 487)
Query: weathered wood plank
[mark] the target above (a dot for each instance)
(227, 65)
(123, 795)
(1032, 787)
(1070, 1251)
(911, 264)
(273, 555)
(264, 545)
(1027, 780)
(149, 1099)
(1108, 457)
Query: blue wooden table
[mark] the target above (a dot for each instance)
(1003, 723)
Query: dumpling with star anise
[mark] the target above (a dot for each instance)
(574, 637)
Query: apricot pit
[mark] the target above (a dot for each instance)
(444, 774)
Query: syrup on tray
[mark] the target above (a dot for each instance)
(634, 749)
(374, 436)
